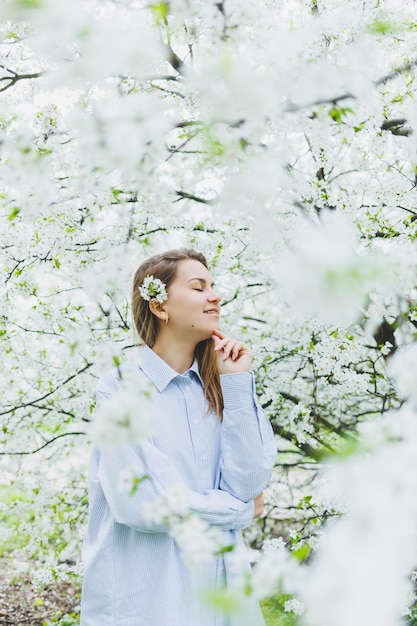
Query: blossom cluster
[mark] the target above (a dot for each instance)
(153, 288)
(124, 419)
(197, 540)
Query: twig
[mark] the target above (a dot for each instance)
(27, 452)
(46, 395)
(15, 77)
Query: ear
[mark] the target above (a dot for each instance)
(157, 308)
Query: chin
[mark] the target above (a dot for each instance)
(205, 334)
(215, 323)
(204, 331)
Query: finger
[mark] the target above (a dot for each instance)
(229, 348)
(221, 343)
(234, 349)
(238, 347)
(216, 341)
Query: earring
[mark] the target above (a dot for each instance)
(166, 318)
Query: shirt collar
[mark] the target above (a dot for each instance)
(158, 371)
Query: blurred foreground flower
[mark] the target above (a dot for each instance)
(403, 368)
(198, 541)
(368, 555)
(123, 419)
(324, 273)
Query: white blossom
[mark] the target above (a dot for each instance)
(199, 543)
(276, 570)
(170, 506)
(128, 477)
(403, 368)
(153, 288)
(326, 274)
(197, 540)
(355, 565)
(294, 606)
(124, 419)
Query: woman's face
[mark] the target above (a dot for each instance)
(193, 306)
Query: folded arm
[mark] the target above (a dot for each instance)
(248, 448)
(157, 476)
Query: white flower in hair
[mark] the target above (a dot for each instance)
(153, 288)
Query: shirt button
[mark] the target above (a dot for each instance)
(204, 458)
(187, 387)
(196, 421)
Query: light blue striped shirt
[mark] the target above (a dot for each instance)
(134, 572)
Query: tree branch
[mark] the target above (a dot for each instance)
(174, 60)
(396, 127)
(401, 70)
(41, 447)
(308, 450)
(189, 196)
(15, 77)
(50, 393)
(349, 96)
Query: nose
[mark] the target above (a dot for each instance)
(214, 296)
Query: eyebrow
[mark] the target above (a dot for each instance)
(202, 280)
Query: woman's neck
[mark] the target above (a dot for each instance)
(178, 355)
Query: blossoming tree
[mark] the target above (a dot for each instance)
(278, 138)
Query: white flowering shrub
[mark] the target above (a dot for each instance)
(279, 138)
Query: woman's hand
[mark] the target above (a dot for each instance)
(232, 356)
(259, 505)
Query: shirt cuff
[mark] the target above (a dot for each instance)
(237, 389)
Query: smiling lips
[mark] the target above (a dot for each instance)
(212, 312)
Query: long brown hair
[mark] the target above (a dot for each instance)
(164, 267)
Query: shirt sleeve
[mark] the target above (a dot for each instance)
(248, 447)
(216, 507)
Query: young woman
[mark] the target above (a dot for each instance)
(210, 436)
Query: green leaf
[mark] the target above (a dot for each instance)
(305, 500)
(226, 600)
(382, 26)
(338, 113)
(302, 553)
(14, 213)
(227, 549)
(28, 4)
(160, 11)
(135, 483)
(116, 192)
